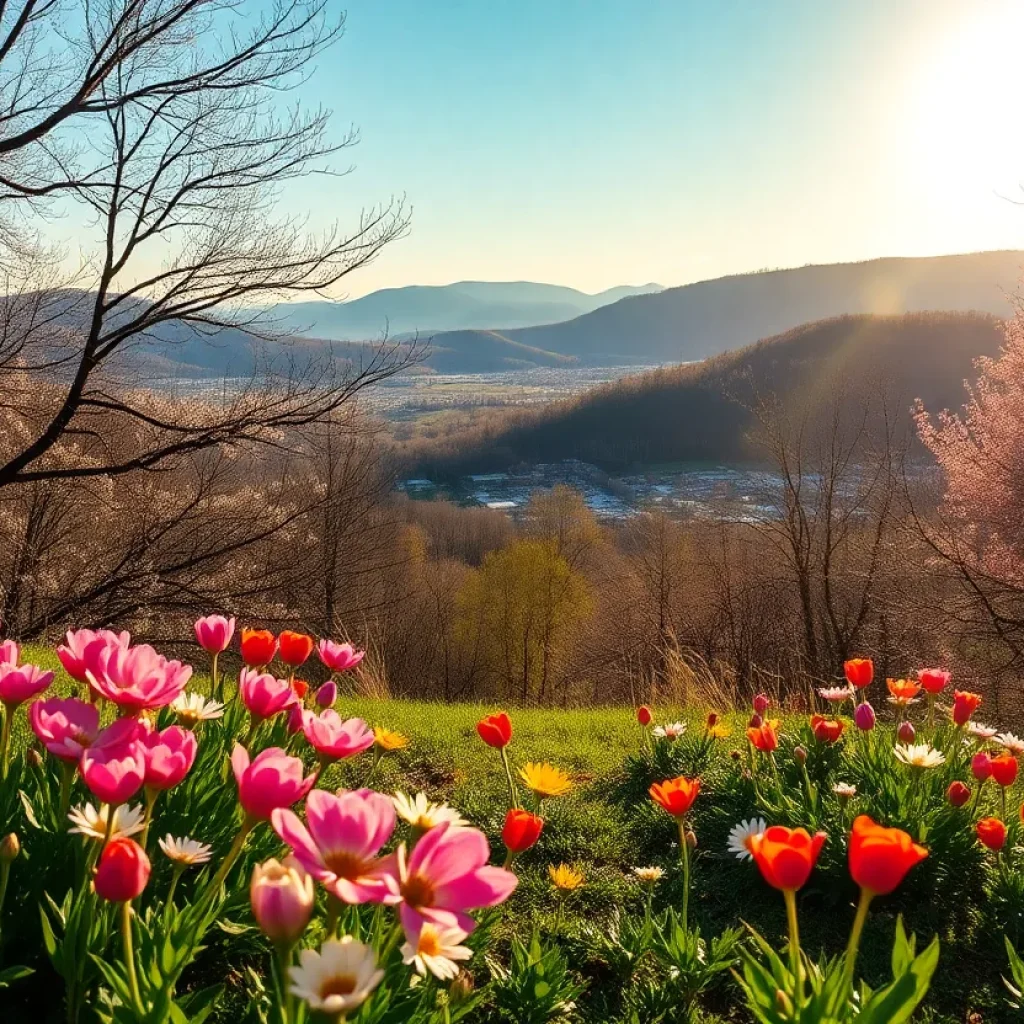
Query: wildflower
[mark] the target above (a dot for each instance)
(920, 755)
(675, 795)
(649, 875)
(270, 780)
(837, 694)
(544, 780)
(964, 705)
(981, 765)
(765, 737)
(281, 895)
(859, 672)
(933, 680)
(881, 857)
(334, 739)
(786, 856)
(338, 979)
(388, 740)
(92, 823)
(340, 845)
(436, 949)
(21, 683)
(741, 835)
(64, 727)
(135, 678)
(495, 730)
(958, 794)
(719, 731)
(991, 833)
(1014, 744)
(122, 872)
(1004, 769)
(864, 717)
(258, 647)
(671, 731)
(565, 878)
(72, 652)
(263, 694)
(844, 790)
(983, 732)
(185, 851)
(294, 648)
(761, 704)
(826, 730)
(192, 708)
(214, 633)
(906, 732)
(423, 815)
(522, 830)
(169, 756)
(643, 715)
(339, 657)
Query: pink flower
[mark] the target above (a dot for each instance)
(263, 694)
(334, 739)
(981, 766)
(122, 872)
(214, 633)
(864, 717)
(340, 846)
(169, 756)
(114, 767)
(327, 694)
(10, 653)
(761, 704)
(135, 677)
(18, 684)
(339, 657)
(296, 719)
(282, 899)
(446, 874)
(64, 727)
(270, 781)
(72, 651)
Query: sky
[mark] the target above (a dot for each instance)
(603, 142)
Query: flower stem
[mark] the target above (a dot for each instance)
(216, 690)
(151, 797)
(109, 830)
(794, 948)
(866, 895)
(684, 853)
(512, 795)
(5, 741)
(5, 874)
(67, 776)
(284, 958)
(129, 956)
(232, 856)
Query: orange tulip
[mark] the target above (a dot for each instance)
(765, 737)
(676, 795)
(903, 689)
(965, 704)
(258, 647)
(1004, 769)
(294, 648)
(786, 856)
(826, 730)
(991, 833)
(881, 857)
(859, 672)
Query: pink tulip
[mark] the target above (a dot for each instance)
(339, 657)
(135, 678)
(339, 848)
(327, 694)
(114, 771)
(761, 704)
(10, 653)
(169, 757)
(981, 766)
(263, 694)
(65, 727)
(214, 633)
(122, 872)
(271, 780)
(446, 874)
(333, 739)
(864, 717)
(19, 684)
(296, 719)
(72, 651)
(282, 899)
(906, 732)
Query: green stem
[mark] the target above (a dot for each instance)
(333, 913)
(684, 853)
(129, 957)
(794, 948)
(108, 831)
(509, 858)
(512, 795)
(169, 902)
(151, 798)
(229, 860)
(67, 776)
(389, 946)
(5, 874)
(214, 689)
(5, 741)
(284, 998)
(1002, 802)
(866, 896)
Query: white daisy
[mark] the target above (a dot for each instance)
(982, 732)
(741, 834)
(671, 731)
(192, 708)
(837, 694)
(185, 851)
(919, 755)
(1014, 744)
(844, 790)
(436, 950)
(649, 875)
(419, 812)
(92, 823)
(338, 978)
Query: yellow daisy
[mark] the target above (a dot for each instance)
(719, 732)
(564, 877)
(545, 780)
(388, 740)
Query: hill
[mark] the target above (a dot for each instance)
(711, 317)
(701, 411)
(425, 309)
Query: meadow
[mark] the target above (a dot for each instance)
(584, 936)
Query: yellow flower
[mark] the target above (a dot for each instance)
(388, 740)
(564, 877)
(719, 732)
(545, 780)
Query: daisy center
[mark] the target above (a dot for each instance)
(338, 985)
(345, 864)
(417, 891)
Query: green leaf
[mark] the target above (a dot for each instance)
(14, 973)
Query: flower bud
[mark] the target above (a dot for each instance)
(864, 717)
(691, 839)
(712, 720)
(327, 694)
(800, 755)
(783, 1004)
(755, 722)
(282, 899)
(761, 704)
(643, 715)
(122, 872)
(906, 732)
(735, 755)
(981, 766)
(10, 847)
(34, 758)
(958, 794)
(461, 988)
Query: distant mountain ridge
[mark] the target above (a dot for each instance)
(426, 309)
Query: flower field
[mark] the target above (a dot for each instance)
(239, 844)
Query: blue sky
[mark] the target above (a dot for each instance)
(597, 142)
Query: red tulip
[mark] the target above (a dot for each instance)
(826, 730)
(881, 857)
(933, 680)
(294, 648)
(1004, 769)
(786, 856)
(964, 705)
(958, 794)
(859, 672)
(122, 871)
(991, 833)
(675, 795)
(495, 730)
(643, 715)
(765, 738)
(258, 647)
(522, 830)
(301, 688)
